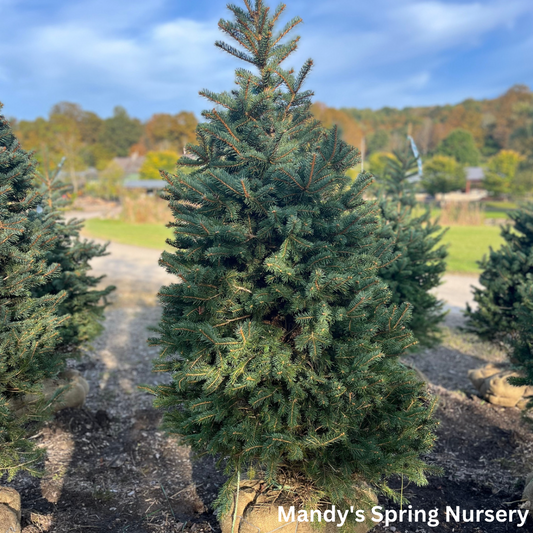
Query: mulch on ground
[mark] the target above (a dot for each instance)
(111, 468)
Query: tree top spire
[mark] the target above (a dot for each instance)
(253, 29)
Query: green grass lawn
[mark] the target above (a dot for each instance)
(500, 206)
(496, 214)
(145, 235)
(488, 213)
(468, 244)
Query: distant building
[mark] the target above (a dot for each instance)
(148, 187)
(474, 178)
(83, 176)
(131, 164)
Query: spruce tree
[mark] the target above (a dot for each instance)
(28, 324)
(503, 272)
(421, 262)
(83, 304)
(281, 343)
(521, 353)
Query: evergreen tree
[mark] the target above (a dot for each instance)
(84, 304)
(421, 261)
(503, 272)
(28, 324)
(282, 345)
(522, 349)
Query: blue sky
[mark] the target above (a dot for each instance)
(154, 56)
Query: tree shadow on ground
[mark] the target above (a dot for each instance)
(109, 466)
(484, 452)
(447, 364)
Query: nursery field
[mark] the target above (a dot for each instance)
(110, 467)
(488, 213)
(467, 244)
(290, 334)
(143, 235)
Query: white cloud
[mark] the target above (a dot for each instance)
(164, 62)
(409, 30)
(149, 59)
(441, 25)
(173, 51)
(391, 52)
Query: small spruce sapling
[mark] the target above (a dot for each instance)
(421, 262)
(503, 272)
(279, 336)
(521, 353)
(84, 303)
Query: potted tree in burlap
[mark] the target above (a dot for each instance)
(522, 348)
(278, 333)
(28, 324)
(503, 272)
(420, 262)
(503, 310)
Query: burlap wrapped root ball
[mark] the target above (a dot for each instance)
(258, 512)
(493, 385)
(479, 375)
(527, 495)
(74, 395)
(9, 510)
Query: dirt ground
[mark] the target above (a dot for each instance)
(110, 467)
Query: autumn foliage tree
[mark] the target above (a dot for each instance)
(443, 174)
(155, 162)
(465, 131)
(170, 132)
(349, 129)
(501, 172)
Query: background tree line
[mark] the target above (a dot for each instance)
(87, 140)
(494, 133)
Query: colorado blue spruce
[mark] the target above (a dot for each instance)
(279, 337)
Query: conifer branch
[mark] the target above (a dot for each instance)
(288, 27)
(234, 52)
